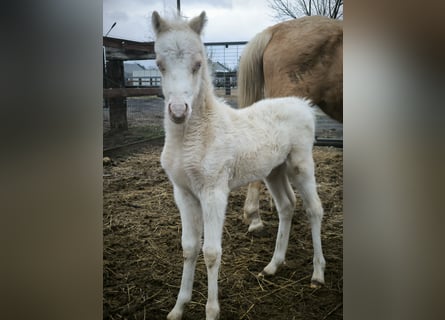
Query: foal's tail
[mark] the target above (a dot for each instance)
(250, 72)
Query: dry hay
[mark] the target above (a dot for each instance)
(143, 255)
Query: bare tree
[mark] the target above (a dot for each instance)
(285, 9)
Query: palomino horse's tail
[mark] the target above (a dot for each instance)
(250, 72)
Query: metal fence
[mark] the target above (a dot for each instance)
(226, 53)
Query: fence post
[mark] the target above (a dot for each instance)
(117, 106)
(227, 83)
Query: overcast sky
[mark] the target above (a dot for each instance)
(228, 20)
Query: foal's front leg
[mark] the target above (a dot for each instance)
(191, 218)
(213, 203)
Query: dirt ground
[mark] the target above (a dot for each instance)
(143, 257)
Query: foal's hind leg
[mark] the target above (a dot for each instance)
(301, 173)
(192, 226)
(252, 207)
(284, 198)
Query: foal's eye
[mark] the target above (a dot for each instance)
(196, 66)
(160, 66)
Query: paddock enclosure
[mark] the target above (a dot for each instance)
(143, 256)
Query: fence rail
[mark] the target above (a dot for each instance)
(146, 81)
(110, 93)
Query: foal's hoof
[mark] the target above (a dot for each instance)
(315, 284)
(262, 275)
(255, 226)
(174, 315)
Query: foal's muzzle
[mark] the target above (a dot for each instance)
(178, 112)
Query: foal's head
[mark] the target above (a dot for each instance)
(181, 58)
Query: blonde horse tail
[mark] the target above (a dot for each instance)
(250, 72)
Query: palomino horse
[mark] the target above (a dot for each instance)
(211, 149)
(301, 57)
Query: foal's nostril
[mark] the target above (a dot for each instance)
(177, 111)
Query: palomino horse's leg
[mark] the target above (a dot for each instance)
(252, 207)
(301, 172)
(191, 219)
(284, 197)
(213, 203)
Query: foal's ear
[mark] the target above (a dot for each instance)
(197, 23)
(159, 24)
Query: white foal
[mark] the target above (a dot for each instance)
(211, 149)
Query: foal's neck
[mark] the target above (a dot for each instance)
(204, 101)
